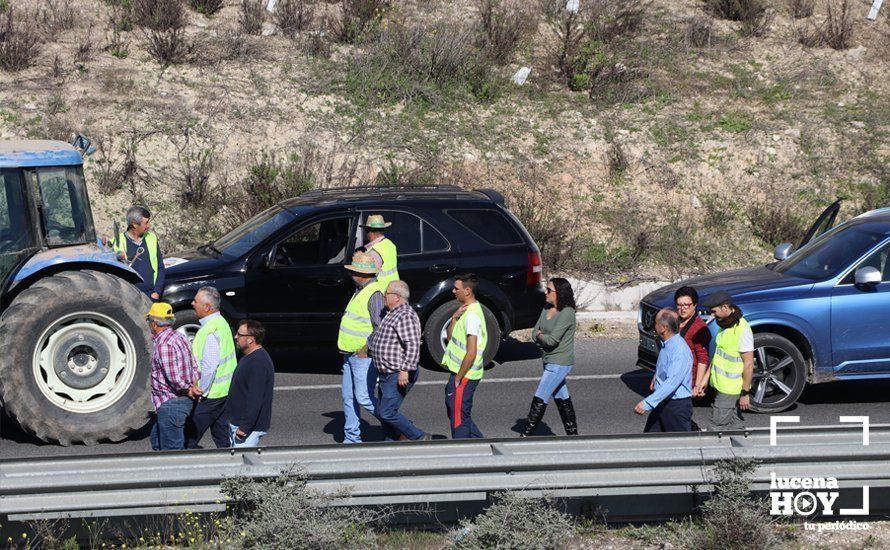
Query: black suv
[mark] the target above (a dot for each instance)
(284, 267)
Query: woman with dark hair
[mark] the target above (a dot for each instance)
(554, 333)
(697, 336)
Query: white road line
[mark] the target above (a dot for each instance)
(487, 381)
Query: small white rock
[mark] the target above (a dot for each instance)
(695, 202)
(840, 103)
(29, 107)
(776, 137)
(268, 29)
(771, 151)
(857, 53)
(858, 124)
(793, 132)
(469, 157)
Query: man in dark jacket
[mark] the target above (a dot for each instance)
(249, 405)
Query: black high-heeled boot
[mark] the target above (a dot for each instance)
(567, 413)
(535, 414)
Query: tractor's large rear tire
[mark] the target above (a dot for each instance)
(76, 358)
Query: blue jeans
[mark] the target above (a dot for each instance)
(391, 398)
(252, 439)
(359, 379)
(459, 405)
(553, 382)
(168, 429)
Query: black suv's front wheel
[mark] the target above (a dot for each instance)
(435, 332)
(780, 373)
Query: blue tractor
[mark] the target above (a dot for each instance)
(76, 349)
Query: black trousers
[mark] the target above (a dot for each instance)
(210, 413)
(671, 415)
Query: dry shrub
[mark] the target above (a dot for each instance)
(699, 31)
(115, 165)
(316, 45)
(83, 50)
(836, 31)
(777, 216)
(272, 178)
(838, 28)
(751, 525)
(169, 47)
(503, 26)
(293, 16)
(416, 62)
(117, 45)
(252, 15)
(19, 47)
(158, 15)
(228, 45)
(608, 20)
(800, 9)
(356, 18)
(612, 81)
(753, 15)
(56, 16)
(207, 7)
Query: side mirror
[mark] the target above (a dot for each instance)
(867, 276)
(783, 251)
(84, 144)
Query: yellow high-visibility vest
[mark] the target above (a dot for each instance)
(355, 325)
(388, 252)
(222, 380)
(457, 346)
(727, 365)
(151, 248)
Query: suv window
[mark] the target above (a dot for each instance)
(323, 242)
(410, 234)
(879, 260)
(489, 225)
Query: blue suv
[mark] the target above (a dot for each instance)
(820, 313)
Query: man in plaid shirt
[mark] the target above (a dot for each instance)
(174, 376)
(395, 347)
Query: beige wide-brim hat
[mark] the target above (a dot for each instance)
(363, 263)
(376, 221)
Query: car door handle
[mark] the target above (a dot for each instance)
(331, 282)
(442, 268)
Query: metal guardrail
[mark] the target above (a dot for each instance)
(629, 478)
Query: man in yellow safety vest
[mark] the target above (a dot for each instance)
(381, 249)
(732, 365)
(359, 321)
(467, 338)
(138, 246)
(214, 348)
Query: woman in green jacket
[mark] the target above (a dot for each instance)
(554, 333)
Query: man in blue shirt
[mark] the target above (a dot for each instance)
(670, 405)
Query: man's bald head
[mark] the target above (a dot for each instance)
(669, 322)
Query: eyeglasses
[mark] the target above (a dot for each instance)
(684, 306)
(239, 335)
(391, 294)
(550, 290)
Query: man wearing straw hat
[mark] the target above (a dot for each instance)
(359, 321)
(381, 249)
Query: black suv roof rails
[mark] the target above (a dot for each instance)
(360, 188)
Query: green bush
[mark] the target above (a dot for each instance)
(357, 18)
(284, 513)
(514, 521)
(420, 63)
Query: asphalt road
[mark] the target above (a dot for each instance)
(604, 385)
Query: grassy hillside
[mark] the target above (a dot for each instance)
(651, 138)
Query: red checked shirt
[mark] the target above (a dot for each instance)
(395, 343)
(173, 367)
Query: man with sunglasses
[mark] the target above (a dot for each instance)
(249, 406)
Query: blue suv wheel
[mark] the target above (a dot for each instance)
(780, 373)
